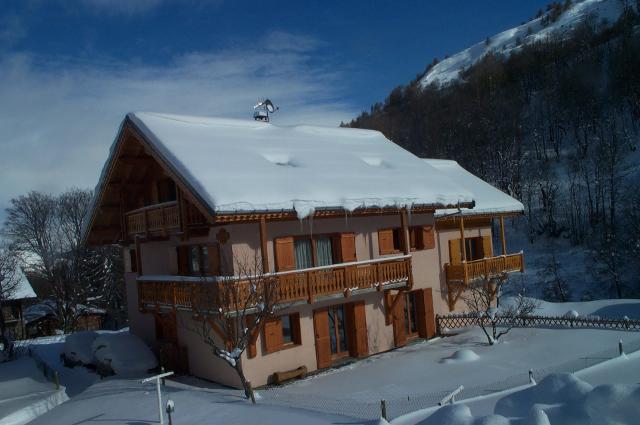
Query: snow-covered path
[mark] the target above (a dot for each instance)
(127, 402)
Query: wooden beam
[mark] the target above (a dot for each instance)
(504, 241)
(404, 224)
(463, 246)
(263, 246)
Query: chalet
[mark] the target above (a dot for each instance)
(363, 238)
(13, 307)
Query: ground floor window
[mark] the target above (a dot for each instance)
(337, 331)
(410, 315)
(282, 332)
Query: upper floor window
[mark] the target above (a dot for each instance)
(295, 253)
(389, 241)
(166, 190)
(197, 260)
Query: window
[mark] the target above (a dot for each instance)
(410, 315)
(303, 253)
(306, 256)
(337, 331)
(421, 237)
(282, 332)
(197, 260)
(166, 190)
(133, 261)
(473, 248)
(390, 241)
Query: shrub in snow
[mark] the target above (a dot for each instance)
(123, 353)
(571, 314)
(78, 348)
(461, 356)
(452, 414)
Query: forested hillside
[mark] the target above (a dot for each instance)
(555, 123)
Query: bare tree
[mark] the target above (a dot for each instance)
(230, 311)
(483, 299)
(47, 233)
(9, 283)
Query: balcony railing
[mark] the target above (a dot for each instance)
(161, 218)
(306, 285)
(486, 268)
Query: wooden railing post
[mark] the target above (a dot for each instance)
(504, 242)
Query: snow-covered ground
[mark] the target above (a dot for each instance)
(25, 393)
(423, 372)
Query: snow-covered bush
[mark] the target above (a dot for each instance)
(78, 348)
(123, 353)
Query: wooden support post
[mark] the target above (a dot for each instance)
(263, 245)
(138, 256)
(463, 245)
(182, 212)
(405, 231)
(504, 242)
(383, 409)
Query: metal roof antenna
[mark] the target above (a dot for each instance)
(262, 110)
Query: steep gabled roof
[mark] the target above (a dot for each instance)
(232, 165)
(489, 200)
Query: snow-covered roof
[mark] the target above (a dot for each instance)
(24, 289)
(489, 200)
(244, 165)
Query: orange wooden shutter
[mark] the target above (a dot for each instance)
(321, 331)
(428, 237)
(348, 247)
(357, 323)
(385, 241)
(399, 335)
(285, 256)
(272, 335)
(426, 318)
(251, 347)
(487, 249)
(183, 260)
(213, 258)
(455, 255)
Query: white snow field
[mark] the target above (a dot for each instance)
(504, 43)
(124, 353)
(24, 392)
(490, 395)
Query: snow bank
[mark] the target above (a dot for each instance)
(78, 348)
(610, 309)
(124, 353)
(24, 392)
(559, 399)
(461, 356)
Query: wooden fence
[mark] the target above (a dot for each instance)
(454, 321)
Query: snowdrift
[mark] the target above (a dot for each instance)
(123, 353)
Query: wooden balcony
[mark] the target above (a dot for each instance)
(308, 285)
(487, 268)
(161, 219)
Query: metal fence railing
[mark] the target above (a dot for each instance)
(411, 402)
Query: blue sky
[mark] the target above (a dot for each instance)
(71, 69)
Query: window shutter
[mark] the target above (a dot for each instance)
(399, 335)
(455, 254)
(213, 258)
(385, 241)
(183, 260)
(285, 256)
(272, 335)
(487, 249)
(428, 237)
(321, 331)
(425, 313)
(357, 323)
(251, 346)
(348, 247)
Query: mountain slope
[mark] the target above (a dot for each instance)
(542, 28)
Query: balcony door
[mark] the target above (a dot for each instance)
(340, 331)
(337, 332)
